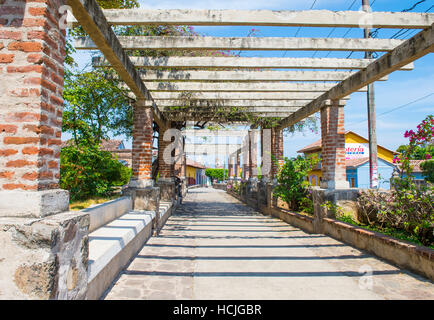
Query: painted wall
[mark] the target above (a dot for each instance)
(357, 147)
(351, 138)
(191, 175)
(385, 171)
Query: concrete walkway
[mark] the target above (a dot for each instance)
(214, 247)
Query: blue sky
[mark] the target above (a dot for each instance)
(402, 87)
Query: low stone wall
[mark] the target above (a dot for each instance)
(221, 186)
(106, 212)
(44, 258)
(409, 256)
(403, 254)
(112, 246)
(295, 219)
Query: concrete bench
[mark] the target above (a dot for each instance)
(114, 244)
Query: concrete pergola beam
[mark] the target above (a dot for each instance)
(214, 133)
(240, 87)
(244, 62)
(249, 109)
(411, 50)
(238, 95)
(92, 19)
(211, 148)
(235, 103)
(221, 118)
(245, 43)
(308, 18)
(245, 76)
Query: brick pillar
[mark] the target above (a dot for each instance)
(276, 150)
(230, 166)
(44, 252)
(333, 147)
(32, 50)
(253, 162)
(184, 162)
(245, 149)
(266, 159)
(142, 146)
(237, 164)
(164, 166)
(166, 180)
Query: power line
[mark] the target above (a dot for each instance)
(374, 33)
(349, 8)
(397, 108)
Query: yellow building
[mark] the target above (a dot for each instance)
(357, 161)
(195, 172)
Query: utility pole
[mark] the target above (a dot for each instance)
(372, 127)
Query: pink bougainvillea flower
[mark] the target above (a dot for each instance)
(428, 156)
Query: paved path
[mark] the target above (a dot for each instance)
(214, 247)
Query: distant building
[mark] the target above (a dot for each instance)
(195, 172)
(416, 172)
(357, 162)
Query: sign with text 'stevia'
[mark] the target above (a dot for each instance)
(356, 150)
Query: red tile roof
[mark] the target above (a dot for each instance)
(356, 162)
(415, 164)
(194, 164)
(107, 145)
(312, 147)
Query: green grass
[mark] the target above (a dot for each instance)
(83, 204)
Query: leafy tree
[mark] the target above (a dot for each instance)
(418, 152)
(217, 174)
(95, 105)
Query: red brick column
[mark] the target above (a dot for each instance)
(32, 50)
(276, 150)
(266, 159)
(142, 146)
(333, 147)
(237, 164)
(253, 162)
(245, 150)
(166, 154)
(230, 166)
(164, 166)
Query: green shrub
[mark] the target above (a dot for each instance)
(217, 174)
(292, 183)
(428, 170)
(86, 171)
(306, 203)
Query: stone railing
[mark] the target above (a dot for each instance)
(418, 259)
(76, 255)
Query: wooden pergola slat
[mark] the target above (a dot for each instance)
(411, 50)
(256, 86)
(237, 95)
(93, 21)
(245, 43)
(245, 76)
(240, 86)
(285, 18)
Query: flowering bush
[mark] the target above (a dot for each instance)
(407, 207)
